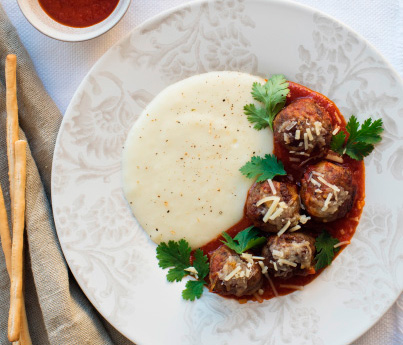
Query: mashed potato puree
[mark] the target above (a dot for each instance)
(182, 157)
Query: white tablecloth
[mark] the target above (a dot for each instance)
(62, 66)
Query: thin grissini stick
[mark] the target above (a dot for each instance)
(5, 233)
(12, 119)
(12, 137)
(25, 338)
(16, 293)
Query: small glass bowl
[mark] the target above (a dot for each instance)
(45, 24)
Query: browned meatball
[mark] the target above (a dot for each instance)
(304, 128)
(289, 254)
(286, 199)
(246, 281)
(327, 191)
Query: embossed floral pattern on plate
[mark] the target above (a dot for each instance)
(108, 252)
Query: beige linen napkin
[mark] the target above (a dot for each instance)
(58, 311)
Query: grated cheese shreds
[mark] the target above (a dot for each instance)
(192, 270)
(295, 228)
(318, 126)
(334, 158)
(293, 159)
(233, 272)
(335, 188)
(317, 173)
(271, 285)
(247, 257)
(286, 262)
(336, 130)
(286, 139)
(282, 204)
(271, 184)
(275, 265)
(306, 141)
(276, 214)
(295, 287)
(302, 154)
(303, 219)
(341, 244)
(271, 210)
(318, 190)
(327, 201)
(266, 199)
(263, 267)
(297, 134)
(291, 125)
(284, 228)
(309, 133)
(277, 253)
(314, 182)
(257, 257)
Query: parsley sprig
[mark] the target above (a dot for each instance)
(325, 250)
(360, 142)
(244, 240)
(176, 257)
(264, 168)
(273, 95)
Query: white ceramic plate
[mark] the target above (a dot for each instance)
(110, 255)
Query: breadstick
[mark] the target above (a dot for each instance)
(5, 233)
(25, 338)
(12, 119)
(16, 298)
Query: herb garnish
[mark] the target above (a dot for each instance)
(244, 240)
(265, 168)
(325, 250)
(273, 96)
(176, 257)
(360, 142)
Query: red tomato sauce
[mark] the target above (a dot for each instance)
(343, 229)
(78, 13)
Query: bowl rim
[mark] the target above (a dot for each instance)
(76, 37)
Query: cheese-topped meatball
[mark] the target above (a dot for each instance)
(230, 275)
(327, 191)
(270, 208)
(289, 254)
(304, 128)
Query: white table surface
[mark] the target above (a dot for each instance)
(62, 66)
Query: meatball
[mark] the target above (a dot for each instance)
(327, 191)
(289, 254)
(304, 128)
(281, 206)
(246, 281)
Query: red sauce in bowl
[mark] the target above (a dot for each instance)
(343, 229)
(78, 13)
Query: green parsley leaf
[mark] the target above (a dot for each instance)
(201, 264)
(176, 256)
(360, 142)
(244, 240)
(194, 289)
(273, 95)
(265, 168)
(258, 116)
(325, 250)
(337, 144)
